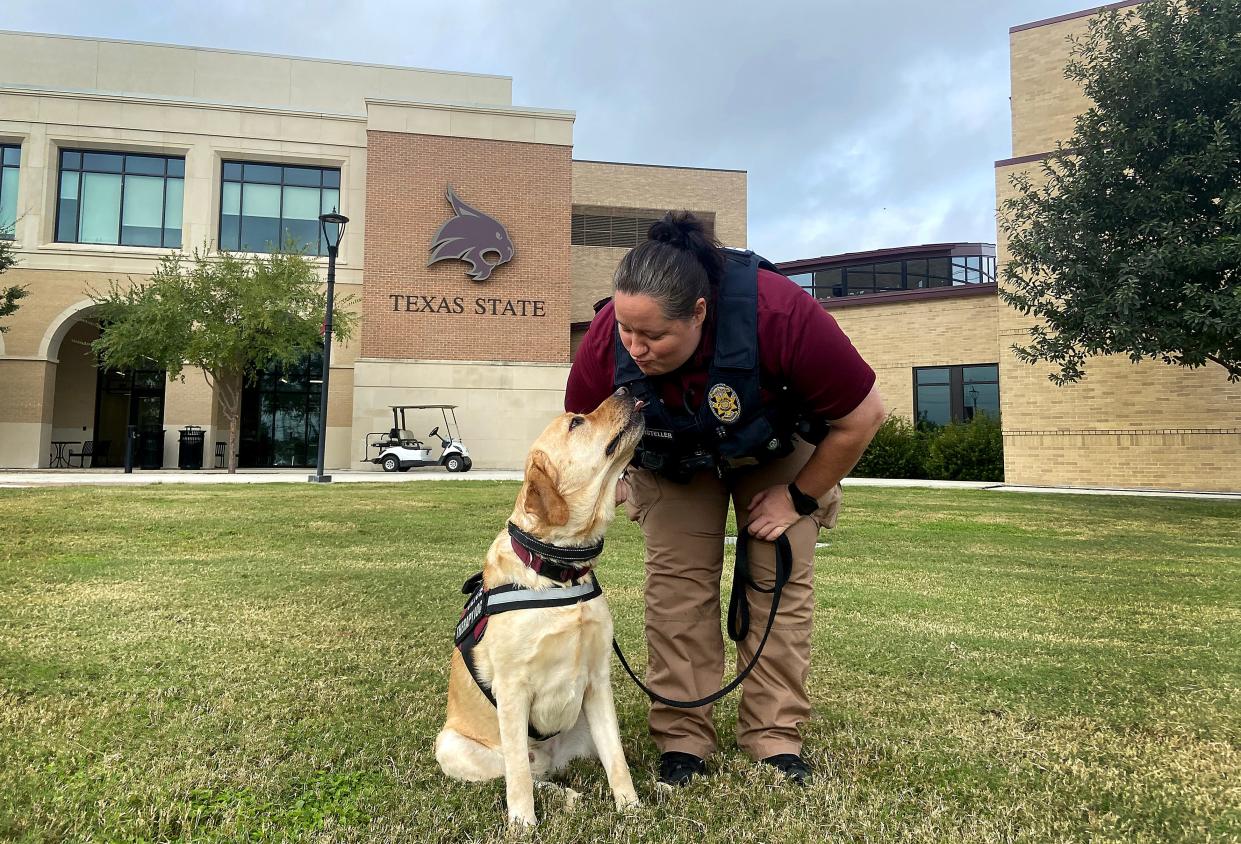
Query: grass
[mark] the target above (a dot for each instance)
(269, 664)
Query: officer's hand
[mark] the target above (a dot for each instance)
(622, 491)
(771, 513)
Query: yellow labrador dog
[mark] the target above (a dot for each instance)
(533, 689)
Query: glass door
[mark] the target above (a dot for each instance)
(124, 398)
(280, 417)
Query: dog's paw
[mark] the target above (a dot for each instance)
(568, 795)
(627, 801)
(519, 820)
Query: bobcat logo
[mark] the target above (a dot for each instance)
(470, 236)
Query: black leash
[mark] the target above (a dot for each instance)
(738, 617)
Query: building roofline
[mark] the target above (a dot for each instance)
(357, 117)
(1024, 159)
(661, 166)
(522, 111)
(891, 253)
(254, 53)
(892, 297)
(162, 99)
(1085, 13)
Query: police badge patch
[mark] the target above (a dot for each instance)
(725, 405)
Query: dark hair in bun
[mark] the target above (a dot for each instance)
(676, 267)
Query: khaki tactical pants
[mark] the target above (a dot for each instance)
(684, 529)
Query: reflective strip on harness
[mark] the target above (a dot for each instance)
(522, 598)
(484, 603)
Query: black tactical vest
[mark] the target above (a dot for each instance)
(732, 427)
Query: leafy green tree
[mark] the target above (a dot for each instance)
(228, 315)
(1130, 243)
(9, 296)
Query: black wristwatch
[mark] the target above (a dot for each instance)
(804, 504)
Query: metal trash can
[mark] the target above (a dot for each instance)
(190, 451)
(151, 448)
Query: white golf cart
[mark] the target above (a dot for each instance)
(399, 450)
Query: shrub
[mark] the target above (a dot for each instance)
(967, 451)
(897, 451)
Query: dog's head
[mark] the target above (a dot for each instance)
(572, 469)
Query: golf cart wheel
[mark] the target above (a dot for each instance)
(469, 464)
(454, 463)
(391, 463)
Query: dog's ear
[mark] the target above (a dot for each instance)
(543, 500)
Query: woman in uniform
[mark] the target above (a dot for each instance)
(742, 372)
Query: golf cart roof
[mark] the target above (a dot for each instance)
(423, 406)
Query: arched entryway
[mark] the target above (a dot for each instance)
(96, 406)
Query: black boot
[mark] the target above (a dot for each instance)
(792, 766)
(677, 769)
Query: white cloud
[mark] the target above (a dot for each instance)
(861, 125)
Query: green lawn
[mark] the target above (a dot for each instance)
(269, 663)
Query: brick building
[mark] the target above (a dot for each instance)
(929, 321)
(924, 317)
(1124, 424)
(115, 152)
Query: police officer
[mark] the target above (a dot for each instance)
(742, 372)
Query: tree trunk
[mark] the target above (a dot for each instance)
(230, 401)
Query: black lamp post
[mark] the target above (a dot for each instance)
(333, 231)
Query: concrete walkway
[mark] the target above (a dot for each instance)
(116, 477)
(25, 478)
(1057, 490)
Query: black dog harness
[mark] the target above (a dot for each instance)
(566, 565)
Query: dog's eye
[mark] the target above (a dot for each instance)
(575, 421)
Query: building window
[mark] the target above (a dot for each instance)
(945, 394)
(891, 276)
(804, 280)
(829, 283)
(280, 416)
(268, 207)
(619, 230)
(122, 199)
(10, 158)
(973, 269)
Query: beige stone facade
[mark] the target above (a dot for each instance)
(954, 331)
(718, 195)
(398, 137)
(1124, 425)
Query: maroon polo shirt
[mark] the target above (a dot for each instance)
(799, 344)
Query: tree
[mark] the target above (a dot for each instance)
(1131, 241)
(9, 296)
(230, 316)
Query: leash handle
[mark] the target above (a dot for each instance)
(738, 605)
(784, 570)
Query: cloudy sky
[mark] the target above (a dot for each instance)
(862, 124)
